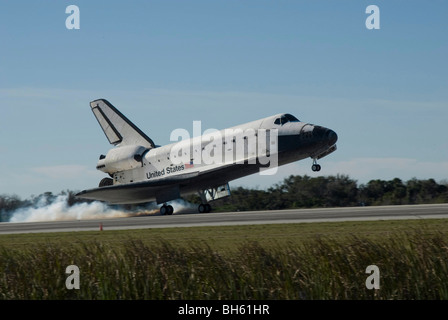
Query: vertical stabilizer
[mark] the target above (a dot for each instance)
(117, 128)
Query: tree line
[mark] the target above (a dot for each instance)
(293, 192)
(335, 191)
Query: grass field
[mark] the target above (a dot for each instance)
(278, 261)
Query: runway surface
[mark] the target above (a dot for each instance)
(234, 218)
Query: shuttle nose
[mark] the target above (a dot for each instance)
(331, 136)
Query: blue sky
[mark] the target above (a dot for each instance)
(167, 63)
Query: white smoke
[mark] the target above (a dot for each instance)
(181, 205)
(59, 210)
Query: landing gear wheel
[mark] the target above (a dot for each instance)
(166, 210)
(204, 208)
(315, 167)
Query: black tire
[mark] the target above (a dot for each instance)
(201, 208)
(163, 210)
(170, 210)
(208, 208)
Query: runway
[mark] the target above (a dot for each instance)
(234, 218)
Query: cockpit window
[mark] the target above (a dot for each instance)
(290, 117)
(286, 118)
(283, 120)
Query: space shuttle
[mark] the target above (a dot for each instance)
(139, 171)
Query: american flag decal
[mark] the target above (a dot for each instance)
(189, 165)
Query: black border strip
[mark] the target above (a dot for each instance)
(120, 137)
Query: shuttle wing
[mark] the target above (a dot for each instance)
(139, 192)
(134, 192)
(117, 128)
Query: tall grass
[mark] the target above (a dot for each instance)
(412, 266)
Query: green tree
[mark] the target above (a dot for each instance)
(8, 204)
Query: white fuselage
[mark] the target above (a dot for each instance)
(257, 143)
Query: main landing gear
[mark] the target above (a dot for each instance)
(166, 210)
(315, 167)
(204, 208)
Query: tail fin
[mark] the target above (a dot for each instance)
(118, 129)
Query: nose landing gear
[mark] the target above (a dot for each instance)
(315, 167)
